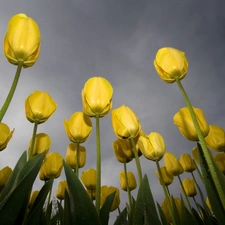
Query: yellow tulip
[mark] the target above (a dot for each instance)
(42, 143)
(97, 97)
(5, 135)
(51, 167)
(39, 106)
(167, 178)
(216, 138)
(22, 40)
(152, 146)
(33, 196)
(170, 64)
(186, 126)
(195, 154)
(130, 179)
(220, 161)
(88, 178)
(78, 128)
(187, 163)
(5, 174)
(125, 122)
(189, 187)
(172, 164)
(71, 155)
(60, 191)
(106, 191)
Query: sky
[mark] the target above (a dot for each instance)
(117, 40)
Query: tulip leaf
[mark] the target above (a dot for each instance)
(162, 215)
(198, 218)
(81, 205)
(11, 205)
(208, 218)
(67, 216)
(211, 190)
(60, 212)
(122, 218)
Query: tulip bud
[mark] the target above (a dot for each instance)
(152, 146)
(60, 191)
(125, 122)
(216, 138)
(51, 167)
(78, 128)
(33, 196)
(170, 64)
(130, 179)
(97, 97)
(5, 174)
(5, 135)
(88, 178)
(220, 161)
(189, 187)
(39, 106)
(105, 191)
(167, 178)
(186, 126)
(187, 163)
(22, 40)
(172, 164)
(195, 154)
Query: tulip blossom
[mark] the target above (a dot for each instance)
(22, 40)
(88, 178)
(220, 161)
(5, 135)
(33, 196)
(5, 173)
(195, 154)
(167, 178)
(130, 179)
(189, 187)
(187, 163)
(60, 191)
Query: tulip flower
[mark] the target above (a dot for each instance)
(22, 40)
(187, 163)
(195, 154)
(170, 64)
(186, 126)
(131, 181)
(97, 97)
(152, 146)
(5, 173)
(216, 138)
(88, 178)
(189, 187)
(42, 143)
(78, 127)
(167, 178)
(5, 135)
(172, 164)
(51, 167)
(60, 191)
(220, 161)
(39, 106)
(105, 191)
(33, 196)
(125, 122)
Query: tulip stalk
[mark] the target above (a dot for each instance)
(12, 91)
(33, 140)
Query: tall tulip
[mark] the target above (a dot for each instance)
(5, 135)
(166, 177)
(131, 181)
(187, 163)
(60, 191)
(172, 164)
(5, 173)
(88, 178)
(189, 187)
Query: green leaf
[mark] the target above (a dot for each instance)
(81, 206)
(162, 215)
(60, 212)
(121, 219)
(68, 218)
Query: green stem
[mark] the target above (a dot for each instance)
(11, 92)
(77, 159)
(137, 160)
(128, 189)
(206, 152)
(33, 140)
(98, 165)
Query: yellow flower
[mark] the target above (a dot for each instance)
(167, 178)
(60, 191)
(5, 173)
(39, 106)
(51, 167)
(33, 196)
(97, 97)
(216, 138)
(105, 192)
(42, 143)
(22, 40)
(171, 64)
(125, 122)
(130, 179)
(195, 154)
(78, 128)
(220, 161)
(172, 164)
(189, 187)
(71, 155)
(152, 146)
(5, 135)
(187, 163)
(186, 126)
(88, 178)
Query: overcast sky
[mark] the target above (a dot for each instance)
(117, 40)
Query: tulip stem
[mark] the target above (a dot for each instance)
(77, 160)
(33, 140)
(137, 160)
(98, 165)
(206, 152)
(11, 92)
(128, 188)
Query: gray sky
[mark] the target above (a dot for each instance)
(117, 40)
